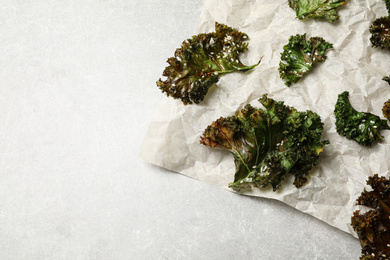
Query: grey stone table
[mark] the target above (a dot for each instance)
(77, 92)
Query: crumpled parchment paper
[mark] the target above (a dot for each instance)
(172, 140)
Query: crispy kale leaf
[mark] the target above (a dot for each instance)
(317, 9)
(201, 60)
(298, 56)
(387, 79)
(386, 109)
(373, 227)
(380, 30)
(362, 127)
(268, 144)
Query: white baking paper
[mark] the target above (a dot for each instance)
(172, 140)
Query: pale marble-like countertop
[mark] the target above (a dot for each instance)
(77, 92)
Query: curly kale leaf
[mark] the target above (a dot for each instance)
(380, 34)
(268, 144)
(387, 79)
(386, 109)
(373, 227)
(380, 30)
(298, 57)
(317, 9)
(361, 127)
(201, 60)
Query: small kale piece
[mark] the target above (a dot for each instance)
(386, 109)
(268, 144)
(387, 79)
(298, 57)
(317, 9)
(201, 60)
(361, 127)
(373, 227)
(380, 30)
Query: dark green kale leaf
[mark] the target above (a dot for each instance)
(361, 127)
(268, 144)
(387, 79)
(373, 227)
(380, 30)
(201, 60)
(298, 57)
(317, 9)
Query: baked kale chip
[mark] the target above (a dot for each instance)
(380, 30)
(298, 57)
(361, 127)
(386, 109)
(373, 227)
(380, 34)
(317, 9)
(387, 79)
(268, 144)
(201, 60)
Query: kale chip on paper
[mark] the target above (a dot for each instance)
(362, 127)
(299, 56)
(269, 144)
(387, 79)
(373, 226)
(380, 30)
(386, 109)
(316, 9)
(201, 60)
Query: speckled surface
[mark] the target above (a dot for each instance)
(77, 92)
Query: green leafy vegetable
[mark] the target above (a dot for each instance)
(373, 227)
(386, 109)
(201, 60)
(361, 127)
(298, 57)
(317, 9)
(268, 144)
(387, 79)
(380, 30)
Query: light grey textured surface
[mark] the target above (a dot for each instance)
(77, 91)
